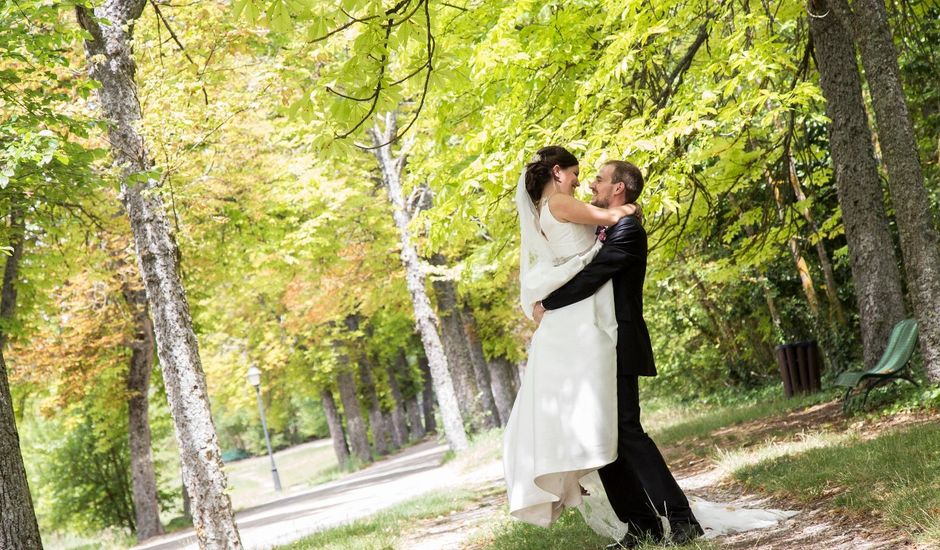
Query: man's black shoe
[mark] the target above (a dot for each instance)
(684, 533)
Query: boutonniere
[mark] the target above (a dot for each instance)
(601, 233)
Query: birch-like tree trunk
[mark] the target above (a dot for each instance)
(111, 63)
(871, 252)
(425, 317)
(143, 478)
(18, 525)
(335, 423)
(916, 229)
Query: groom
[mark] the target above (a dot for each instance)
(638, 484)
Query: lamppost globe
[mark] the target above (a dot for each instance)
(254, 376)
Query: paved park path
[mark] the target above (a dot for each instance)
(412, 472)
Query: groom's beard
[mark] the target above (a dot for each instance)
(600, 203)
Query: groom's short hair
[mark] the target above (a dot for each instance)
(631, 177)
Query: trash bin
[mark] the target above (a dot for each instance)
(800, 367)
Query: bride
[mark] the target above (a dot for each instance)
(563, 423)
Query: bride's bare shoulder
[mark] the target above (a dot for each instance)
(560, 205)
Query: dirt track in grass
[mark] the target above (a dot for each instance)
(693, 460)
(694, 455)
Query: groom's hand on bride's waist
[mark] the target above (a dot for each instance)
(538, 312)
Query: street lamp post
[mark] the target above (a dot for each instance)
(254, 378)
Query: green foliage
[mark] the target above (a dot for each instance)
(256, 126)
(369, 56)
(85, 483)
(713, 136)
(917, 30)
(44, 159)
(89, 480)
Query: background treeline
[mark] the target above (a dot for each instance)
(335, 183)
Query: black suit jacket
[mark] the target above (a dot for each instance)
(622, 259)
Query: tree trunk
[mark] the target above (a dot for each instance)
(832, 288)
(143, 479)
(504, 391)
(335, 423)
(377, 424)
(377, 420)
(111, 63)
(772, 307)
(871, 252)
(187, 502)
(491, 418)
(802, 268)
(427, 398)
(799, 262)
(416, 428)
(355, 426)
(399, 420)
(18, 526)
(425, 318)
(917, 233)
(459, 361)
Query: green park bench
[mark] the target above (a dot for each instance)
(893, 364)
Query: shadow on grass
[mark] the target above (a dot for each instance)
(895, 477)
(703, 423)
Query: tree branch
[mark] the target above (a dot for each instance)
(676, 77)
(431, 46)
(160, 17)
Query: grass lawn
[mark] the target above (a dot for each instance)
(250, 482)
(381, 531)
(385, 529)
(670, 424)
(568, 533)
(895, 477)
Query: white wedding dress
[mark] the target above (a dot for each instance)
(563, 425)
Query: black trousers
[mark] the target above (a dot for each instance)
(639, 485)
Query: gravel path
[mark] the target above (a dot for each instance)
(414, 471)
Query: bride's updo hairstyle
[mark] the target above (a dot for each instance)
(539, 171)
